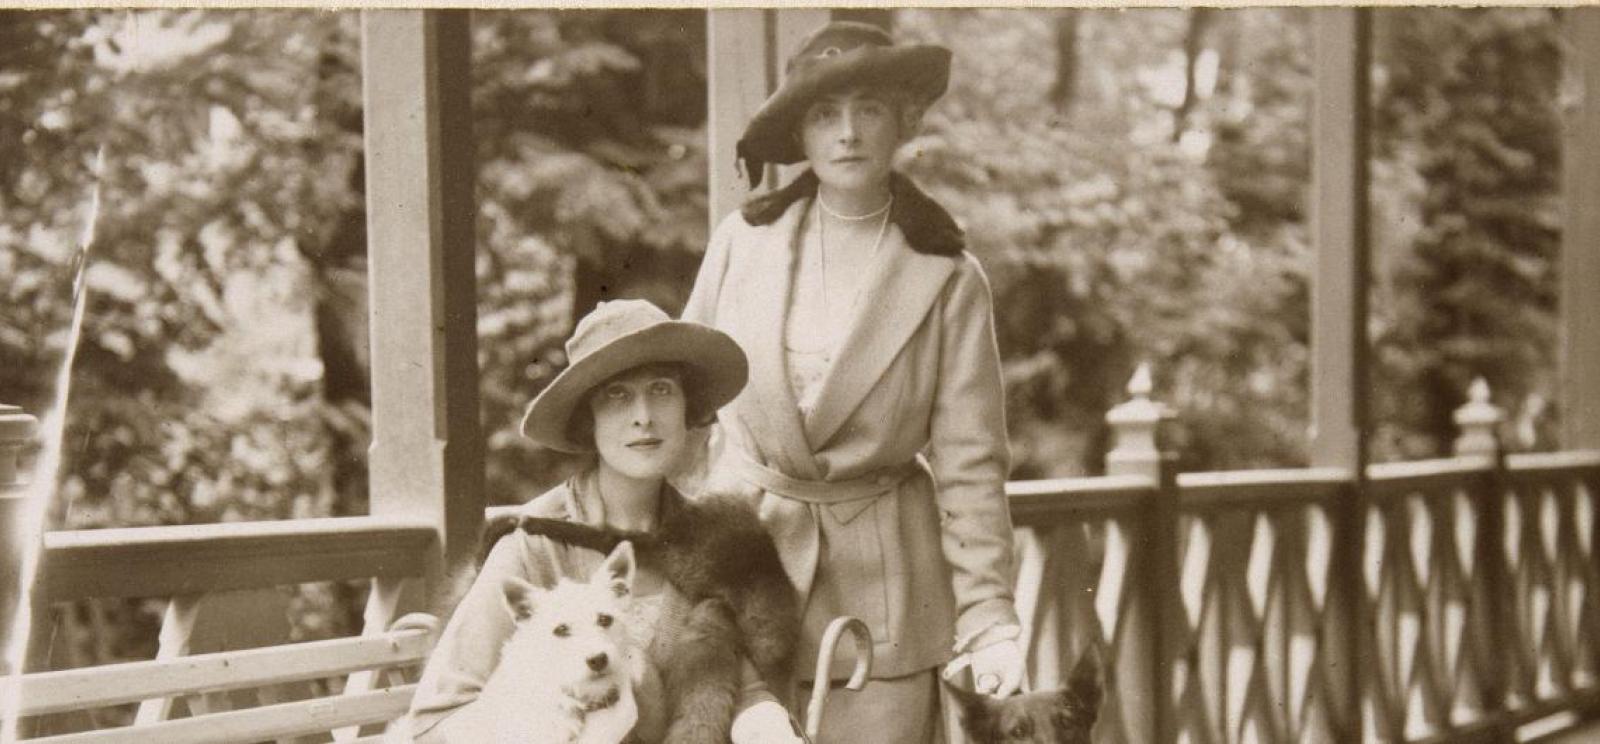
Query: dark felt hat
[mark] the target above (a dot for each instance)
(620, 335)
(841, 54)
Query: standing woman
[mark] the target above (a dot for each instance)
(872, 433)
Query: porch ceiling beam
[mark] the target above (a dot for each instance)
(427, 453)
(1580, 244)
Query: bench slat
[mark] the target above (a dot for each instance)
(75, 689)
(256, 724)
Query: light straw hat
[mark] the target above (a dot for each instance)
(623, 334)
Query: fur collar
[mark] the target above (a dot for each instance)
(925, 223)
(711, 548)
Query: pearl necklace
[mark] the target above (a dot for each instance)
(822, 242)
(853, 217)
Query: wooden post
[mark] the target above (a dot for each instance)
(1339, 233)
(1580, 242)
(427, 450)
(746, 52)
(736, 76)
(1138, 449)
(17, 432)
(1339, 324)
(1478, 423)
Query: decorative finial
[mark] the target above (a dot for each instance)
(1478, 420)
(1478, 392)
(1140, 386)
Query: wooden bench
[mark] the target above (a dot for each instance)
(377, 690)
(220, 580)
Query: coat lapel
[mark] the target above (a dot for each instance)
(901, 287)
(768, 405)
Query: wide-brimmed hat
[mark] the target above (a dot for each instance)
(838, 55)
(620, 335)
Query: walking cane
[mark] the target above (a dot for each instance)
(858, 677)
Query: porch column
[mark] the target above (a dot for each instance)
(1580, 242)
(747, 50)
(427, 451)
(1339, 235)
(1339, 324)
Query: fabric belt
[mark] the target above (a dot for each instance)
(868, 485)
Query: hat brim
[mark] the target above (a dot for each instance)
(717, 363)
(921, 69)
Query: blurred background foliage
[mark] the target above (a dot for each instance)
(1134, 181)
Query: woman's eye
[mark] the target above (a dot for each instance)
(603, 620)
(661, 388)
(561, 631)
(616, 393)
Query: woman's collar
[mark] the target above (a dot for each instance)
(927, 227)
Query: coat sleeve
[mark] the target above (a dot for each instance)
(705, 444)
(469, 647)
(702, 304)
(971, 457)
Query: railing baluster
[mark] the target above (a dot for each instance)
(177, 627)
(383, 604)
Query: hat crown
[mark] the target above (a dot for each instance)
(610, 321)
(836, 38)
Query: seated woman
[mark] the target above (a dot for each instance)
(637, 381)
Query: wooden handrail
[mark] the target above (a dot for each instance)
(191, 559)
(1261, 489)
(1398, 479)
(1032, 500)
(1570, 460)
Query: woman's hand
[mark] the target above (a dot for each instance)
(997, 662)
(997, 668)
(766, 722)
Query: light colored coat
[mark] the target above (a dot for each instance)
(469, 648)
(915, 399)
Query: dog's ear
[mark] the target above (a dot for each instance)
(1084, 681)
(520, 597)
(974, 706)
(617, 569)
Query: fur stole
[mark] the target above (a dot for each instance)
(714, 551)
(927, 226)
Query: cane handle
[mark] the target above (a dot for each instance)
(858, 677)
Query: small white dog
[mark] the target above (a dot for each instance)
(566, 674)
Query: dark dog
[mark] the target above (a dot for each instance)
(1064, 716)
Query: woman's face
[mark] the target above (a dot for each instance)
(850, 139)
(640, 421)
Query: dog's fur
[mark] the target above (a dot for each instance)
(566, 673)
(1064, 716)
(714, 551)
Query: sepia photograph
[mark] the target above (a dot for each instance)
(800, 375)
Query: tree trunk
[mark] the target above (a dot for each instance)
(1199, 19)
(1066, 85)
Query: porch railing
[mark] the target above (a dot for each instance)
(1455, 598)
(1444, 600)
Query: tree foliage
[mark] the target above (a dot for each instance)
(1467, 103)
(1135, 182)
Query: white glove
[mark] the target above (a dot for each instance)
(997, 668)
(765, 722)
